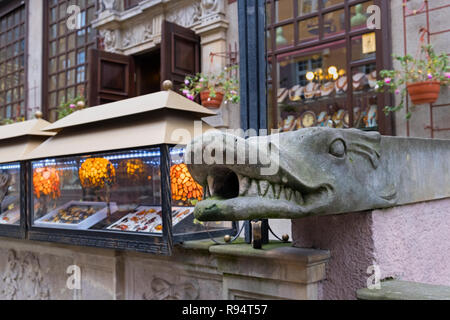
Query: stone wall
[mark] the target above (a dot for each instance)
(438, 22)
(197, 270)
(407, 242)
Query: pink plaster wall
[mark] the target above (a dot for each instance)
(409, 242)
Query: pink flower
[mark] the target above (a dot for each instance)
(430, 76)
(201, 80)
(397, 91)
(186, 82)
(185, 92)
(447, 74)
(72, 106)
(190, 97)
(387, 80)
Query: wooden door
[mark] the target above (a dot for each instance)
(180, 53)
(111, 77)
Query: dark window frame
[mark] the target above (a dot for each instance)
(48, 108)
(252, 33)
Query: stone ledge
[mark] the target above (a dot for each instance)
(274, 251)
(405, 290)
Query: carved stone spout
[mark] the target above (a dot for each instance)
(316, 171)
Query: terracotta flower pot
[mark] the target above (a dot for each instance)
(424, 92)
(211, 102)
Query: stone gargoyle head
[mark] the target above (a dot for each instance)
(314, 171)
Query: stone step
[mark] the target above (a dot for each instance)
(405, 290)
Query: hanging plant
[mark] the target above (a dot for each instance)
(420, 78)
(213, 89)
(69, 107)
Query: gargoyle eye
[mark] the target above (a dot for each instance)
(338, 148)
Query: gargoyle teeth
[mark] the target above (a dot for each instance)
(287, 193)
(277, 189)
(253, 190)
(258, 188)
(244, 184)
(263, 186)
(210, 181)
(270, 193)
(298, 197)
(206, 190)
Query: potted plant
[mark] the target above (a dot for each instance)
(420, 78)
(75, 104)
(213, 89)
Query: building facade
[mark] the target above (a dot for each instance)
(303, 63)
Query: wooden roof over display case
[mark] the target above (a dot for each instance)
(158, 118)
(19, 139)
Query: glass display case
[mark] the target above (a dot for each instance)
(16, 140)
(116, 190)
(323, 63)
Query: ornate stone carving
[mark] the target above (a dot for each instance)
(23, 278)
(131, 31)
(109, 39)
(186, 16)
(209, 6)
(148, 31)
(109, 5)
(128, 39)
(162, 289)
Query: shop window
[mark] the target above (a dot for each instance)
(325, 74)
(66, 51)
(12, 63)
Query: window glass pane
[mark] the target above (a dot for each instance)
(62, 80)
(268, 13)
(115, 191)
(284, 36)
(53, 31)
(284, 10)
(80, 74)
(81, 57)
(62, 62)
(62, 9)
(365, 104)
(10, 204)
(71, 78)
(330, 3)
(307, 7)
(308, 30)
(269, 40)
(71, 59)
(359, 15)
(334, 23)
(71, 42)
(52, 84)
(53, 15)
(364, 47)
